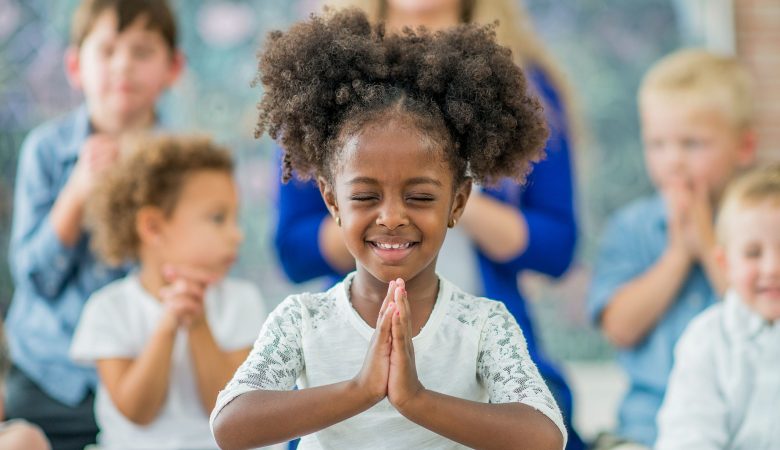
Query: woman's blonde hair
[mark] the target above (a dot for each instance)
(514, 31)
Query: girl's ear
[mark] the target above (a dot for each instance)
(150, 224)
(72, 63)
(459, 202)
(329, 196)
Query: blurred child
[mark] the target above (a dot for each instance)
(656, 268)
(723, 391)
(16, 434)
(394, 356)
(167, 337)
(123, 56)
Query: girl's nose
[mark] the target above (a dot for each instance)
(392, 214)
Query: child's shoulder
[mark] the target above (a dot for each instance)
(62, 125)
(116, 295)
(239, 288)
(310, 306)
(470, 309)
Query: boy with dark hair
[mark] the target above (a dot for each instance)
(123, 56)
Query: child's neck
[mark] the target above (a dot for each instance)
(150, 274)
(421, 290)
(117, 125)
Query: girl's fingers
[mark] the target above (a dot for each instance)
(385, 323)
(388, 298)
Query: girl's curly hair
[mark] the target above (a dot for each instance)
(329, 76)
(152, 172)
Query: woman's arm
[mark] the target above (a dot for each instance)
(306, 239)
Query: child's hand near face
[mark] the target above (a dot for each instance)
(99, 153)
(373, 376)
(183, 296)
(690, 225)
(403, 383)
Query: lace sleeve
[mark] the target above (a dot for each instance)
(276, 359)
(506, 368)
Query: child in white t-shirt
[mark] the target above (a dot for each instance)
(395, 128)
(724, 392)
(166, 338)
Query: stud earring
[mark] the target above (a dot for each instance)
(452, 223)
(338, 220)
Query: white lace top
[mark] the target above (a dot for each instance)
(470, 348)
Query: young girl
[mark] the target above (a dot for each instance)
(507, 230)
(167, 337)
(723, 391)
(394, 127)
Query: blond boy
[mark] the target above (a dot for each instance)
(123, 56)
(723, 390)
(656, 268)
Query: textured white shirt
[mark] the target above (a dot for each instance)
(724, 390)
(118, 322)
(470, 348)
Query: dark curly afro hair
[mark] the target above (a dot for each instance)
(328, 77)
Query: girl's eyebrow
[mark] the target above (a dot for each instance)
(411, 181)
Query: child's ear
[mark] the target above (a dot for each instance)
(720, 258)
(328, 196)
(149, 224)
(178, 62)
(72, 63)
(462, 194)
(748, 146)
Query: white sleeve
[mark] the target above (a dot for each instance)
(102, 331)
(276, 360)
(693, 414)
(242, 318)
(506, 368)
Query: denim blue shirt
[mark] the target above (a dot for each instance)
(632, 242)
(52, 280)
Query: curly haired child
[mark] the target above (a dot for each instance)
(395, 128)
(168, 336)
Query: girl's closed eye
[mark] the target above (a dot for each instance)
(364, 197)
(421, 198)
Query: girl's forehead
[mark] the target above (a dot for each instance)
(392, 151)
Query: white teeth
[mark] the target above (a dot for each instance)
(393, 246)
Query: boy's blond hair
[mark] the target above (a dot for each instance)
(152, 172)
(702, 77)
(758, 186)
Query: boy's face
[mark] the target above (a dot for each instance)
(123, 74)
(394, 196)
(752, 257)
(688, 145)
(203, 230)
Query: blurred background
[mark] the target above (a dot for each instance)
(604, 46)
